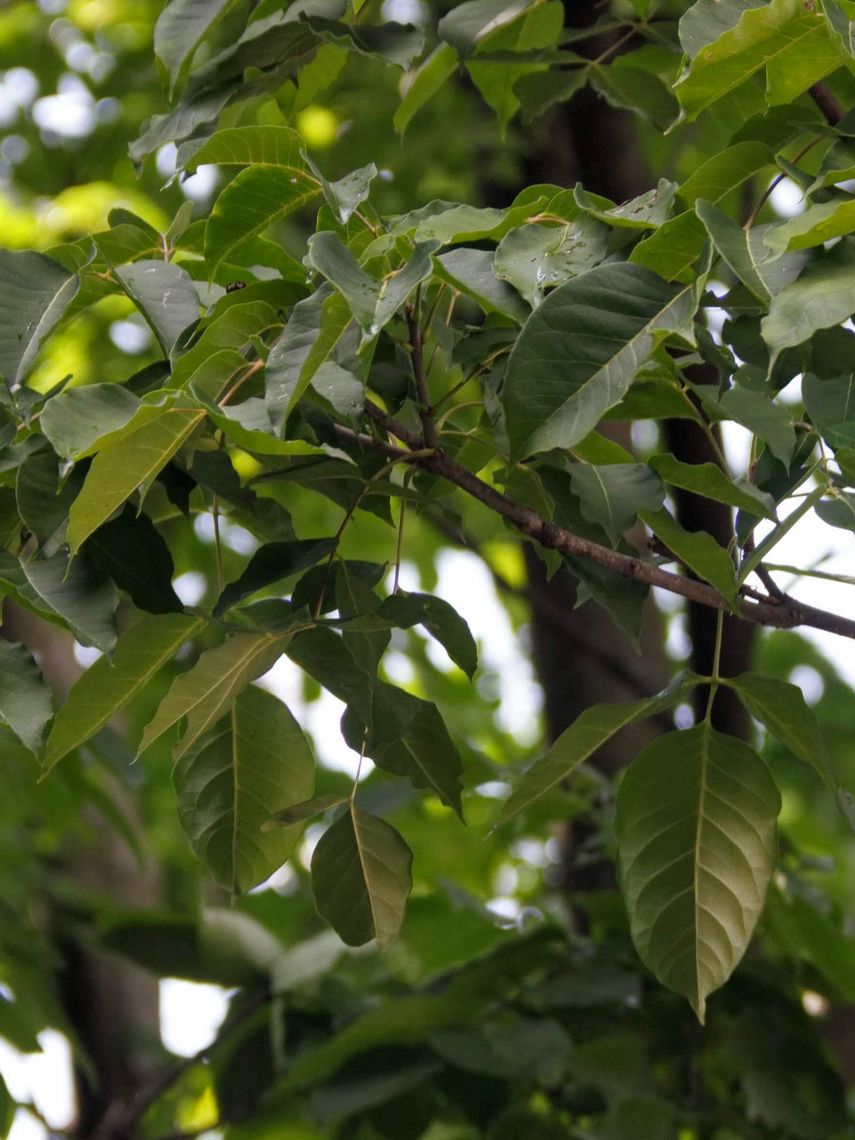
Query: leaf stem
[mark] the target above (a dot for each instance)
(716, 665)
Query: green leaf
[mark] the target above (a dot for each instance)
(588, 732)
(467, 24)
(840, 25)
(645, 212)
(395, 43)
(787, 37)
(472, 272)
(831, 407)
(770, 421)
(304, 810)
(761, 270)
(75, 595)
(361, 878)
(179, 30)
(705, 21)
(207, 691)
(542, 90)
(25, 699)
(43, 501)
(110, 684)
(264, 145)
(451, 223)
(698, 550)
(838, 511)
(78, 417)
(579, 351)
(252, 202)
(135, 555)
(782, 710)
(272, 563)
(372, 302)
(255, 761)
(423, 83)
(613, 494)
(695, 826)
(537, 257)
(165, 295)
(224, 337)
(710, 481)
(817, 224)
(440, 619)
(348, 193)
(118, 470)
(323, 655)
(822, 297)
(34, 293)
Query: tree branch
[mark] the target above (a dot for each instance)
(772, 612)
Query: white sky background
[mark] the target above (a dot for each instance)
(191, 1013)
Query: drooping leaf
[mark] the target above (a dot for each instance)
(133, 552)
(695, 825)
(43, 500)
(180, 28)
(346, 194)
(34, 293)
(324, 655)
(361, 878)
(76, 418)
(424, 82)
(254, 762)
(580, 350)
(118, 470)
(467, 24)
(111, 683)
(165, 295)
(440, 619)
(272, 563)
(589, 731)
(698, 550)
(710, 481)
(612, 494)
(25, 699)
(207, 691)
(757, 266)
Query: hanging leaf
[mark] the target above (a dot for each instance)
(440, 619)
(272, 563)
(472, 272)
(34, 293)
(422, 84)
(165, 295)
(695, 826)
(831, 407)
(588, 732)
(757, 266)
(133, 552)
(254, 762)
(25, 699)
(698, 550)
(613, 494)
(466, 25)
(110, 684)
(361, 878)
(180, 29)
(579, 352)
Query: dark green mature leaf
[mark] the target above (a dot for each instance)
(34, 293)
(207, 691)
(613, 494)
(706, 20)
(578, 353)
(535, 258)
(44, 502)
(76, 418)
(119, 469)
(180, 28)
(757, 266)
(710, 481)
(324, 656)
(74, 595)
(467, 24)
(272, 563)
(695, 825)
(698, 550)
(831, 407)
(255, 761)
(165, 295)
(440, 619)
(25, 699)
(393, 42)
(820, 299)
(782, 710)
(135, 555)
(361, 878)
(591, 729)
(472, 272)
(838, 511)
(111, 683)
(304, 810)
(770, 421)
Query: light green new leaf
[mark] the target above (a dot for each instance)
(783, 711)
(535, 258)
(831, 406)
(256, 761)
(787, 37)
(588, 732)
(110, 684)
(25, 699)
(76, 595)
(423, 83)
(75, 419)
(824, 296)
(440, 619)
(372, 302)
(265, 145)
(710, 481)
(252, 202)
(165, 295)
(34, 293)
(697, 550)
(207, 691)
(757, 266)
(180, 28)
(579, 351)
(118, 470)
(613, 494)
(695, 827)
(361, 878)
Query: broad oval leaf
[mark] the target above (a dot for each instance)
(254, 762)
(165, 295)
(440, 619)
(695, 826)
(361, 878)
(34, 293)
(25, 699)
(579, 351)
(75, 419)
